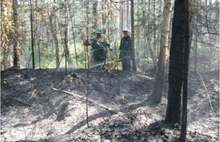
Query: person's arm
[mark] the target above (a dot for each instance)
(109, 45)
(130, 45)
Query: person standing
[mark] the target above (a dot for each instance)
(99, 45)
(126, 50)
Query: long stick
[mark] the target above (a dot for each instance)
(87, 59)
(89, 100)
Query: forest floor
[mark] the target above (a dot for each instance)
(39, 105)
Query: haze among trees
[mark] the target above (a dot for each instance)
(171, 93)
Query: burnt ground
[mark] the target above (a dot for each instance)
(39, 105)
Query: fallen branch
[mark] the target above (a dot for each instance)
(20, 102)
(90, 100)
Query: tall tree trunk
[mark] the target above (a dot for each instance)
(53, 29)
(72, 19)
(163, 46)
(74, 39)
(144, 29)
(176, 64)
(155, 38)
(95, 4)
(185, 73)
(138, 33)
(66, 42)
(16, 43)
(127, 21)
(196, 35)
(132, 35)
(149, 37)
(32, 35)
(104, 16)
(121, 20)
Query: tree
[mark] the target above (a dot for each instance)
(121, 16)
(157, 94)
(53, 29)
(32, 34)
(6, 33)
(185, 72)
(16, 43)
(138, 33)
(132, 35)
(176, 63)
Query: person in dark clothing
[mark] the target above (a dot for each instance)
(126, 50)
(99, 44)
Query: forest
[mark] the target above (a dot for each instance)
(110, 70)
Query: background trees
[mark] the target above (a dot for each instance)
(49, 27)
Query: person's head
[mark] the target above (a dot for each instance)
(126, 32)
(98, 32)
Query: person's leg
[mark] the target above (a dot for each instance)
(129, 64)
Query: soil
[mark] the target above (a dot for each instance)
(43, 105)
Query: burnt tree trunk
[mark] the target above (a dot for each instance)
(185, 73)
(176, 64)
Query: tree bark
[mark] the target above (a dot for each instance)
(155, 38)
(72, 19)
(176, 64)
(127, 21)
(95, 4)
(53, 30)
(196, 35)
(32, 35)
(121, 20)
(67, 53)
(104, 16)
(150, 51)
(138, 33)
(16, 43)
(185, 73)
(132, 35)
(157, 95)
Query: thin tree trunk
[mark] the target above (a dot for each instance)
(74, 40)
(104, 16)
(87, 60)
(185, 73)
(149, 37)
(127, 22)
(16, 43)
(53, 29)
(144, 29)
(72, 19)
(138, 33)
(121, 20)
(95, 4)
(32, 35)
(67, 53)
(155, 38)
(158, 90)
(132, 35)
(39, 53)
(196, 35)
